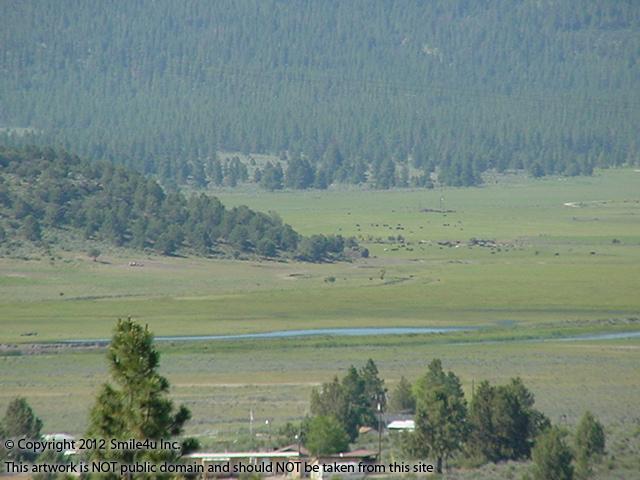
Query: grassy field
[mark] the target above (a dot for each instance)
(222, 381)
(562, 258)
(550, 262)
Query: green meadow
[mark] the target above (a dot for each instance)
(560, 257)
(549, 263)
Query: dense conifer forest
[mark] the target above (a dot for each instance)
(47, 189)
(377, 93)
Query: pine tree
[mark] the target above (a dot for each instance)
(19, 422)
(136, 405)
(441, 412)
(374, 391)
(402, 399)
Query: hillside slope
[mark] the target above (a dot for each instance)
(383, 94)
(44, 188)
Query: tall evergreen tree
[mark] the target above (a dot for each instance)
(374, 391)
(19, 422)
(504, 422)
(402, 399)
(441, 411)
(136, 405)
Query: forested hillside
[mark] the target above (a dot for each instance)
(48, 189)
(379, 92)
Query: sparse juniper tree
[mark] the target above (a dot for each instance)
(136, 404)
(441, 411)
(94, 253)
(552, 457)
(19, 422)
(590, 443)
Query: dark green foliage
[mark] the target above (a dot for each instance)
(19, 422)
(120, 206)
(52, 457)
(137, 406)
(326, 436)
(31, 229)
(300, 174)
(590, 437)
(374, 391)
(402, 399)
(590, 443)
(452, 86)
(94, 253)
(386, 174)
(266, 247)
(291, 433)
(272, 177)
(503, 422)
(552, 457)
(317, 248)
(441, 411)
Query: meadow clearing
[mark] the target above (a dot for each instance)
(556, 257)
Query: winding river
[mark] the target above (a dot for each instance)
(366, 331)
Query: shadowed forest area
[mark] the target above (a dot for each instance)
(384, 93)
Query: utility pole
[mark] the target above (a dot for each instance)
(379, 431)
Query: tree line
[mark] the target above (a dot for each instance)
(52, 189)
(500, 422)
(386, 95)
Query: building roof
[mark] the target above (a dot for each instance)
(226, 456)
(294, 447)
(402, 425)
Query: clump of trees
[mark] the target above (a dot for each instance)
(353, 401)
(500, 423)
(117, 205)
